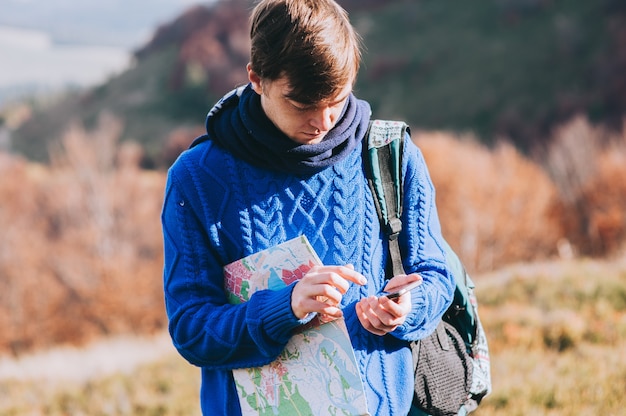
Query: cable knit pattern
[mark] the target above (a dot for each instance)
(218, 209)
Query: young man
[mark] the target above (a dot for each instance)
(282, 158)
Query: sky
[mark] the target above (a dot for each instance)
(56, 43)
(31, 57)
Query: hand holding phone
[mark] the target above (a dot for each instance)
(396, 292)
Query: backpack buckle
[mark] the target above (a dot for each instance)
(394, 226)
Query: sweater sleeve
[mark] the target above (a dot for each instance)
(422, 249)
(205, 328)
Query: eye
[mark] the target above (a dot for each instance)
(301, 108)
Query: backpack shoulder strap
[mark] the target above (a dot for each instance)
(382, 160)
(382, 156)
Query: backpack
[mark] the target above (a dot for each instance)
(452, 368)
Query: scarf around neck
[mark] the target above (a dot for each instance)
(238, 124)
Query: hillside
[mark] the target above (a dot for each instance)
(514, 69)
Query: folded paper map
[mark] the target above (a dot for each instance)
(316, 374)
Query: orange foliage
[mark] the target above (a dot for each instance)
(494, 206)
(606, 199)
(81, 253)
(589, 167)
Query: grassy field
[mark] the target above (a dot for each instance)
(557, 338)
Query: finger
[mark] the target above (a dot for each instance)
(308, 306)
(308, 297)
(331, 311)
(364, 319)
(332, 282)
(322, 287)
(325, 276)
(327, 294)
(401, 280)
(348, 272)
(386, 319)
(398, 307)
(344, 273)
(378, 317)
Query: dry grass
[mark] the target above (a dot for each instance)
(558, 338)
(557, 335)
(166, 387)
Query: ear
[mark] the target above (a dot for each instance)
(255, 80)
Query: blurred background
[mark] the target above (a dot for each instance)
(518, 105)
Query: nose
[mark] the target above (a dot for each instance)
(323, 119)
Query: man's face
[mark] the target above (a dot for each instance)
(304, 124)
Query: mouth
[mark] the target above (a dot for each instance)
(315, 137)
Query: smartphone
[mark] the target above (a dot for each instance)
(396, 292)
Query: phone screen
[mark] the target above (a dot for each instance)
(396, 292)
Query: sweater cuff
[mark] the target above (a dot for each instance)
(413, 326)
(273, 311)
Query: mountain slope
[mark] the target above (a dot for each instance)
(512, 68)
(506, 68)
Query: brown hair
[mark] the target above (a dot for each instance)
(310, 42)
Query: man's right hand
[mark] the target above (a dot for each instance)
(321, 289)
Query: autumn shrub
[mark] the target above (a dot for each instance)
(494, 205)
(81, 251)
(588, 166)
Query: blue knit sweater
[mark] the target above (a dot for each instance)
(219, 208)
